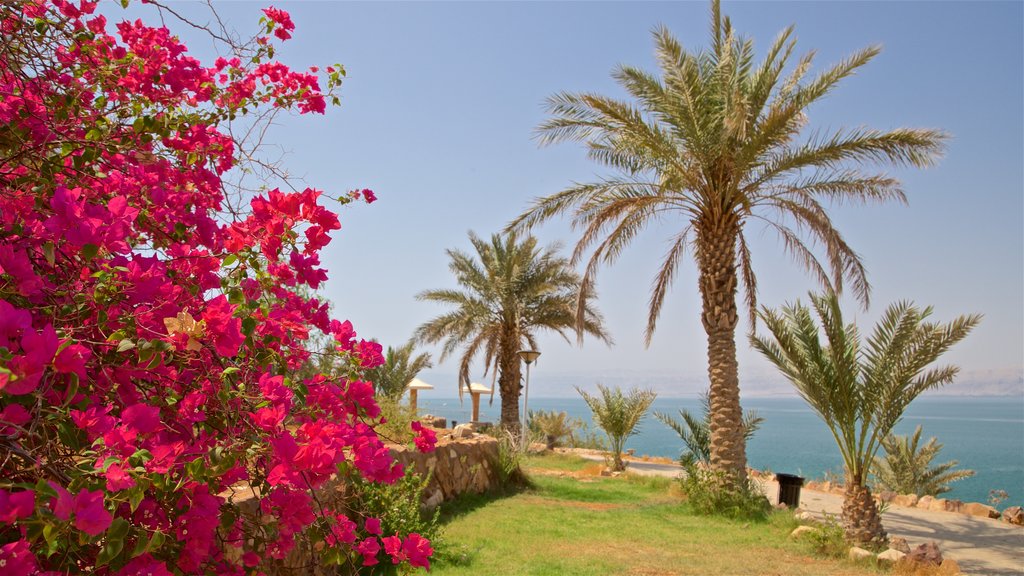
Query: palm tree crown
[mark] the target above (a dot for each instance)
(860, 390)
(717, 141)
(907, 467)
(511, 289)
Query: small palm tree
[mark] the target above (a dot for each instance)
(860, 390)
(553, 426)
(907, 467)
(511, 290)
(695, 431)
(399, 368)
(713, 145)
(618, 415)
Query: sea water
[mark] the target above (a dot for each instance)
(983, 434)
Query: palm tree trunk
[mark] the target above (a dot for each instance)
(861, 519)
(509, 384)
(716, 261)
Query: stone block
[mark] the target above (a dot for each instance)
(908, 500)
(925, 502)
(860, 554)
(890, 556)
(1014, 515)
(980, 510)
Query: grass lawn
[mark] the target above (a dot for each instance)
(574, 522)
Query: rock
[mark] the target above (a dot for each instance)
(439, 422)
(908, 500)
(1014, 515)
(949, 567)
(860, 554)
(804, 516)
(462, 431)
(936, 505)
(891, 556)
(899, 544)
(434, 500)
(802, 531)
(886, 496)
(606, 472)
(927, 553)
(979, 510)
(925, 502)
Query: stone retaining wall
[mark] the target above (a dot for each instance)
(456, 466)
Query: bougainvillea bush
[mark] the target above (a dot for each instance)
(153, 318)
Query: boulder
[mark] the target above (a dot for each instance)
(925, 502)
(936, 505)
(802, 531)
(439, 422)
(463, 431)
(927, 553)
(900, 544)
(908, 500)
(860, 554)
(890, 556)
(804, 516)
(1014, 515)
(980, 510)
(886, 496)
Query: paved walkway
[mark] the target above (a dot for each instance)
(981, 546)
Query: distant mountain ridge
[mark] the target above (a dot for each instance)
(993, 382)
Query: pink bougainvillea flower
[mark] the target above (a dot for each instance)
(426, 439)
(16, 559)
(71, 360)
(117, 478)
(94, 420)
(223, 327)
(418, 550)
(14, 506)
(369, 548)
(282, 20)
(63, 504)
(13, 415)
(91, 516)
(393, 547)
(141, 418)
(372, 525)
(369, 196)
(145, 565)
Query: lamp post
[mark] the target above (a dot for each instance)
(528, 356)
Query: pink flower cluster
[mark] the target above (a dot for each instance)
(153, 339)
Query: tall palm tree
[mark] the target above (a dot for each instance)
(399, 368)
(860, 390)
(695, 431)
(511, 290)
(713, 144)
(907, 466)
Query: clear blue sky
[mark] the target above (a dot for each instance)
(442, 99)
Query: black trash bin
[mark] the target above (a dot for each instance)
(789, 489)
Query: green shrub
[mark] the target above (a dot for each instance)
(707, 492)
(829, 539)
(618, 414)
(397, 418)
(510, 457)
(550, 427)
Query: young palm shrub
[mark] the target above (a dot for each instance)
(399, 368)
(711, 144)
(695, 432)
(510, 290)
(618, 415)
(552, 426)
(860, 390)
(907, 467)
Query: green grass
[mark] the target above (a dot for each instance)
(590, 525)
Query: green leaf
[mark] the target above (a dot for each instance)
(248, 325)
(48, 251)
(125, 344)
(229, 260)
(89, 251)
(229, 371)
(114, 541)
